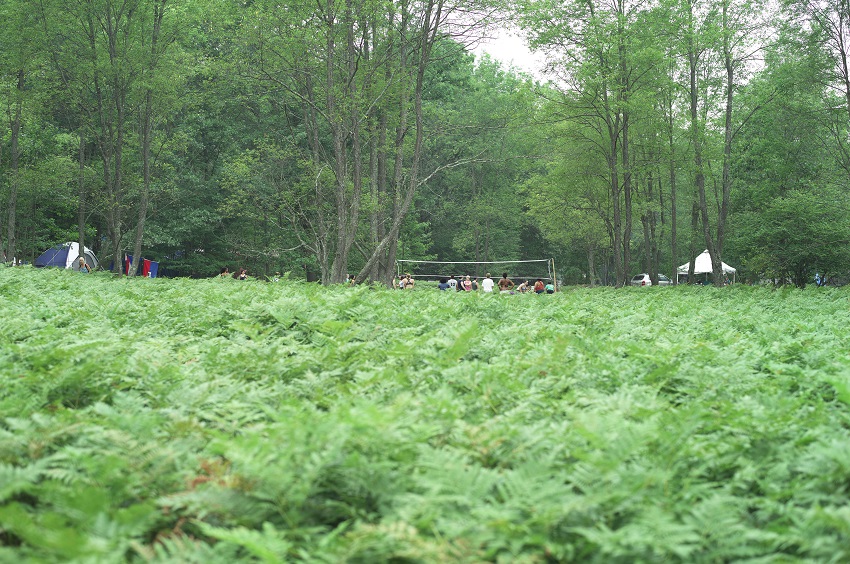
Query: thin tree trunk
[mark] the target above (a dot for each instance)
(339, 268)
(647, 220)
(693, 242)
(674, 241)
(696, 139)
(311, 126)
(81, 192)
(147, 131)
(617, 219)
(147, 127)
(391, 245)
(15, 180)
(3, 248)
(716, 261)
(625, 87)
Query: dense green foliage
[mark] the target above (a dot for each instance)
(219, 421)
(329, 138)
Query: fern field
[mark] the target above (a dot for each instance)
(223, 421)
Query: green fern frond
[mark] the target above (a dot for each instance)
(268, 545)
(15, 479)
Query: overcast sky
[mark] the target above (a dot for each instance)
(511, 51)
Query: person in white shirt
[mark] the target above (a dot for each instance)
(487, 284)
(452, 283)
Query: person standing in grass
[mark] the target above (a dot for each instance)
(467, 284)
(505, 283)
(452, 282)
(84, 268)
(487, 284)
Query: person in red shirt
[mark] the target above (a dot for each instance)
(538, 287)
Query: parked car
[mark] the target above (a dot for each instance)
(645, 280)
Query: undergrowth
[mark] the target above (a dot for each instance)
(221, 421)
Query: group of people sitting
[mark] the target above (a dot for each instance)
(239, 274)
(468, 283)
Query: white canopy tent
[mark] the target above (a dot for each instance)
(702, 265)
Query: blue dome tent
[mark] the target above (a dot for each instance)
(65, 256)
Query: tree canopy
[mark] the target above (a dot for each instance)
(332, 138)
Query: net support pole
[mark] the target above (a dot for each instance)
(554, 276)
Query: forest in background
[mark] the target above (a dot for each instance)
(338, 136)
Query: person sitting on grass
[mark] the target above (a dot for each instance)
(443, 285)
(538, 286)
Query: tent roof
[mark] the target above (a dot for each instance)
(702, 264)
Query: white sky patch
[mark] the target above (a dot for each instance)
(511, 51)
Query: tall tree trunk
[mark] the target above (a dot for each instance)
(110, 134)
(147, 132)
(321, 240)
(3, 248)
(716, 261)
(625, 87)
(340, 263)
(373, 120)
(627, 201)
(431, 25)
(81, 191)
(387, 245)
(647, 220)
(147, 127)
(348, 210)
(658, 236)
(674, 241)
(696, 140)
(15, 176)
(617, 219)
(693, 242)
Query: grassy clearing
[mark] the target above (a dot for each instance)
(219, 421)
